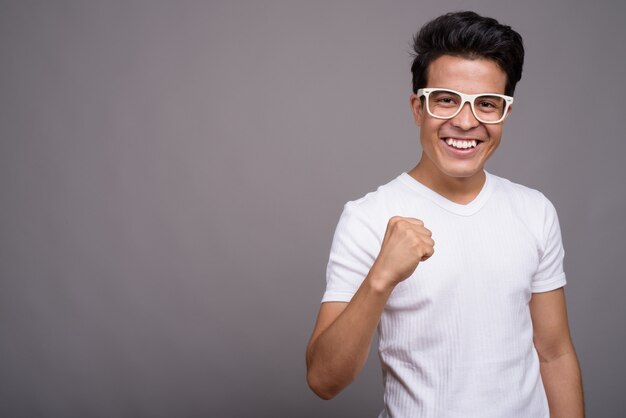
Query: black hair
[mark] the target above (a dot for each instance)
(468, 35)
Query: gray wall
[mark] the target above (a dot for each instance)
(171, 174)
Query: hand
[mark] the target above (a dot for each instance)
(406, 243)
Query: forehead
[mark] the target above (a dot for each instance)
(466, 75)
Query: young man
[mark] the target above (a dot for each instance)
(460, 270)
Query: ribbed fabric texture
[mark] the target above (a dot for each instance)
(455, 339)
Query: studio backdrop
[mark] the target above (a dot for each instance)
(171, 174)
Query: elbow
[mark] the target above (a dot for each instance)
(323, 379)
(319, 388)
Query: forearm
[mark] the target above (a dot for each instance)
(338, 354)
(343, 334)
(563, 384)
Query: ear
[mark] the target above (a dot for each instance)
(417, 108)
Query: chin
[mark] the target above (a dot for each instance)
(461, 172)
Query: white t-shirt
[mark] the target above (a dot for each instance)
(455, 338)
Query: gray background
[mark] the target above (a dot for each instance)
(171, 174)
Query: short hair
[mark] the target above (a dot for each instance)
(469, 35)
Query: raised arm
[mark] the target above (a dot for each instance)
(343, 333)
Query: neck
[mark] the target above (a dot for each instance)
(461, 190)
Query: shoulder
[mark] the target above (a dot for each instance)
(377, 202)
(524, 198)
(371, 212)
(530, 207)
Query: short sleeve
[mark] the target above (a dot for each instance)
(550, 274)
(353, 251)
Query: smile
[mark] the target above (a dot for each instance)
(461, 143)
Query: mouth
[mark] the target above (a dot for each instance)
(462, 144)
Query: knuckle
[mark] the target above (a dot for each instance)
(416, 242)
(404, 227)
(413, 236)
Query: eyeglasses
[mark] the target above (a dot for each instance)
(446, 104)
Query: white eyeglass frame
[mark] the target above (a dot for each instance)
(466, 98)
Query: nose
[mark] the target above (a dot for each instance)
(465, 119)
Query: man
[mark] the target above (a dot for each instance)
(460, 270)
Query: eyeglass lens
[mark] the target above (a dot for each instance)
(446, 104)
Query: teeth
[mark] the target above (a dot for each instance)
(461, 144)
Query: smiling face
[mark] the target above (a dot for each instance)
(454, 151)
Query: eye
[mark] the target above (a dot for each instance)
(445, 99)
(489, 103)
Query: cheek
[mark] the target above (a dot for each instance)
(429, 128)
(428, 135)
(495, 133)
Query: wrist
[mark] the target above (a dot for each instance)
(380, 281)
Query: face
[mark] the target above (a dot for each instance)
(446, 144)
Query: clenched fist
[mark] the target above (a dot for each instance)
(407, 242)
